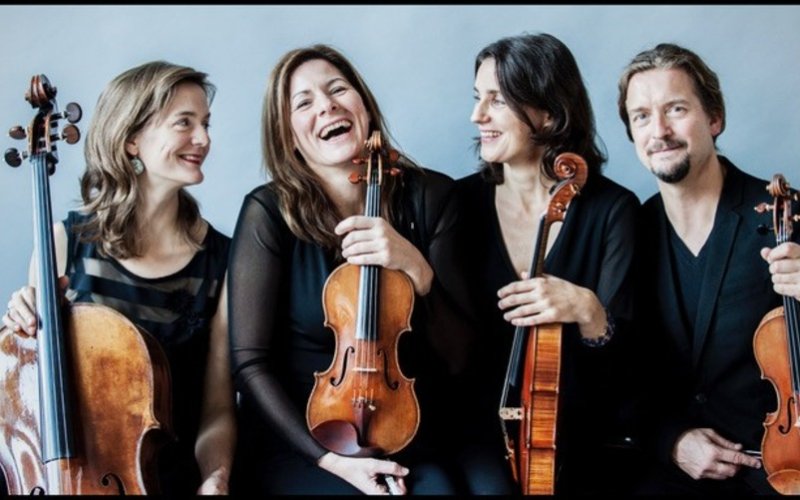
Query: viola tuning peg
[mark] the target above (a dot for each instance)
(73, 112)
(13, 157)
(71, 134)
(17, 132)
(763, 207)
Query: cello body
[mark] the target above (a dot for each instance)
(120, 378)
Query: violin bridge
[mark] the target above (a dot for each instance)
(510, 413)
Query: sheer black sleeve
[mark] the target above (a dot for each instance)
(258, 264)
(446, 310)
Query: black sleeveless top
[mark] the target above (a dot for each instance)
(177, 310)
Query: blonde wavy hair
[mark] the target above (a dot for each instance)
(307, 209)
(109, 185)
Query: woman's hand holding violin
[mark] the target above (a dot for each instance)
(373, 241)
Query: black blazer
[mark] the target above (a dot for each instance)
(709, 377)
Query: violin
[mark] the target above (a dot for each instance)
(531, 440)
(363, 405)
(81, 401)
(776, 345)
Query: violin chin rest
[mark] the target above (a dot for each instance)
(786, 481)
(341, 436)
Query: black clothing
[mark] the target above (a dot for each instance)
(279, 339)
(177, 310)
(708, 376)
(594, 249)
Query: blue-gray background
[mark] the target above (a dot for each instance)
(418, 61)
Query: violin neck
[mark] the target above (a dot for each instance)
(57, 440)
(369, 286)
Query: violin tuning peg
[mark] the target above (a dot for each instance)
(17, 132)
(393, 155)
(13, 157)
(355, 177)
(71, 134)
(394, 171)
(359, 161)
(73, 113)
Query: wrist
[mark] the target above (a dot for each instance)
(605, 336)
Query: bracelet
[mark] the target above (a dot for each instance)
(605, 337)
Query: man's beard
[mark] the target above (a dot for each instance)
(676, 174)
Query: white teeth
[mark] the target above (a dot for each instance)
(341, 123)
(490, 134)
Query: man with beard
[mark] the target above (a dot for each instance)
(709, 275)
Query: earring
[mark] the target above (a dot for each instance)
(138, 166)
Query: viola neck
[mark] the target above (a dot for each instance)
(513, 372)
(56, 435)
(369, 286)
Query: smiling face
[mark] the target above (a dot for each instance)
(329, 120)
(671, 131)
(504, 137)
(175, 142)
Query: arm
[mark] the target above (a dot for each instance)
(20, 315)
(216, 438)
(257, 268)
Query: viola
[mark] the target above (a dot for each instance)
(530, 423)
(86, 402)
(363, 405)
(776, 344)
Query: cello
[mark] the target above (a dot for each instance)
(86, 402)
(776, 345)
(534, 367)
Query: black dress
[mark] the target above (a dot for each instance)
(177, 310)
(594, 249)
(279, 339)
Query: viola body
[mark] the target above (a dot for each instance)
(364, 385)
(541, 378)
(780, 445)
(121, 408)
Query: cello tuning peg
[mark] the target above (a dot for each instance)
(763, 229)
(17, 132)
(13, 157)
(71, 134)
(73, 113)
